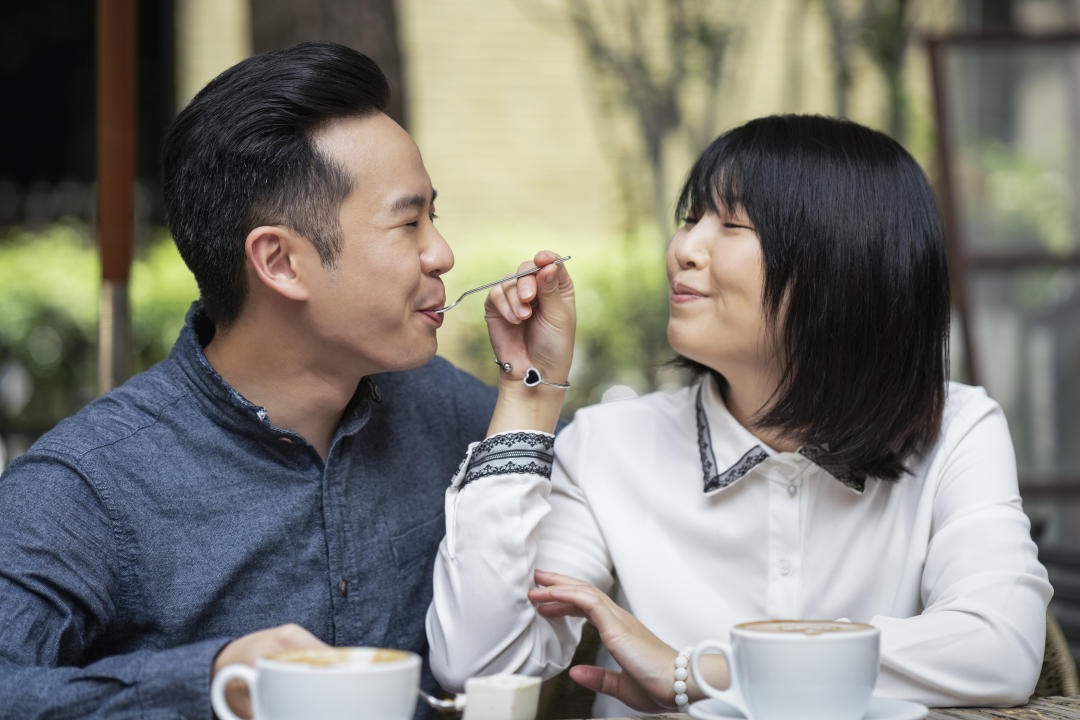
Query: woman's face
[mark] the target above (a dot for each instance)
(716, 278)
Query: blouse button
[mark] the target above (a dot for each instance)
(792, 489)
(784, 567)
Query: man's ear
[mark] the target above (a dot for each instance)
(275, 254)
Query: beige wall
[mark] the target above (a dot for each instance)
(506, 111)
(499, 107)
(211, 35)
(503, 105)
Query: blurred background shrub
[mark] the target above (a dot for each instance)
(49, 281)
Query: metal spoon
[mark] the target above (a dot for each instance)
(454, 704)
(530, 271)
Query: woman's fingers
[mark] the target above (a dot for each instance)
(545, 577)
(521, 292)
(526, 284)
(589, 602)
(521, 309)
(498, 301)
(647, 662)
(559, 609)
(617, 684)
(546, 604)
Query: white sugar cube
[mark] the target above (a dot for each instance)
(501, 697)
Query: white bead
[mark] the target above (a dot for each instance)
(680, 687)
(681, 700)
(680, 673)
(682, 661)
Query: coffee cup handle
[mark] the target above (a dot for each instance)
(221, 679)
(731, 696)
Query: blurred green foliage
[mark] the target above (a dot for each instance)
(49, 286)
(50, 280)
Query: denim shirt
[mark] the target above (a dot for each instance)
(169, 517)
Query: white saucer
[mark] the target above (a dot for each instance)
(881, 708)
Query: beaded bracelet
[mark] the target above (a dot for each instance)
(681, 662)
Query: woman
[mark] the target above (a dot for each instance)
(820, 466)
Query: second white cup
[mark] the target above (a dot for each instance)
(796, 669)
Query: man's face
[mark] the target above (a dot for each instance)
(373, 308)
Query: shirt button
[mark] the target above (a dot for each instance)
(792, 489)
(344, 587)
(784, 567)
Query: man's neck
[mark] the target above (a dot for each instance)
(273, 368)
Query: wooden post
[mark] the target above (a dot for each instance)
(115, 182)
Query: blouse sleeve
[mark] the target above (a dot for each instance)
(979, 639)
(500, 508)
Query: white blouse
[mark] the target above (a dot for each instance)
(677, 511)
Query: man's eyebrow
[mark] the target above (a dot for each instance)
(411, 202)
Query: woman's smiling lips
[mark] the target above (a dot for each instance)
(681, 294)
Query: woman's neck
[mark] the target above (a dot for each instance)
(747, 398)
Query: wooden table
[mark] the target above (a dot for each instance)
(1050, 708)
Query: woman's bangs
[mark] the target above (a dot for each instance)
(713, 184)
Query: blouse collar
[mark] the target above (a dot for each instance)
(738, 451)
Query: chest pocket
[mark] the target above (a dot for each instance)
(414, 555)
(419, 543)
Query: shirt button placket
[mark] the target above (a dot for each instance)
(785, 533)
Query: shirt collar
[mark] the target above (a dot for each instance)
(736, 451)
(223, 399)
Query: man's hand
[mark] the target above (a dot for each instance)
(531, 323)
(259, 644)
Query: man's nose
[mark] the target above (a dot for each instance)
(437, 257)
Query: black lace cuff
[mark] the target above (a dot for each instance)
(513, 452)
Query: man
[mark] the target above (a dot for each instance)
(277, 482)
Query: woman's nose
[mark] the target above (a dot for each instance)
(687, 248)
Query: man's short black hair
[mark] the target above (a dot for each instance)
(856, 283)
(242, 154)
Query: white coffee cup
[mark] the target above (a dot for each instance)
(796, 669)
(327, 683)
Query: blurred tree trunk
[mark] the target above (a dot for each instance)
(369, 26)
(883, 29)
(840, 29)
(649, 85)
(887, 28)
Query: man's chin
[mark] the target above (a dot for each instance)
(419, 358)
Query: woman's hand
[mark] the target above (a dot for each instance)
(531, 323)
(648, 664)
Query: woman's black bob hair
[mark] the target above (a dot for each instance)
(856, 284)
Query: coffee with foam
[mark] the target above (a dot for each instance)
(804, 627)
(331, 657)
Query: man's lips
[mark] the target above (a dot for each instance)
(429, 311)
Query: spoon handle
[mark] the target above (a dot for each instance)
(523, 273)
